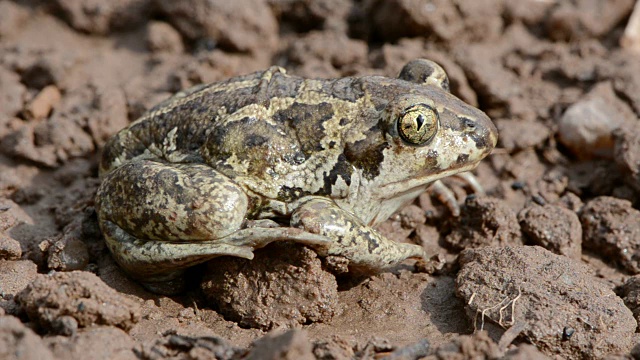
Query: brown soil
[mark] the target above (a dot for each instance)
(550, 257)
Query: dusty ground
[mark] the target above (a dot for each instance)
(544, 266)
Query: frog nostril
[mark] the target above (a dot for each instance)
(469, 124)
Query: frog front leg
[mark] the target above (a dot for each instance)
(367, 250)
(160, 218)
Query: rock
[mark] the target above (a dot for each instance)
(44, 102)
(284, 285)
(586, 127)
(555, 228)
(18, 342)
(611, 229)
(484, 221)
(52, 299)
(547, 295)
(291, 345)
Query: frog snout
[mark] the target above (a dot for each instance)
(485, 134)
(492, 133)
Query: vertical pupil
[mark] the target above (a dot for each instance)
(420, 121)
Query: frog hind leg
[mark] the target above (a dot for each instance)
(159, 265)
(159, 218)
(367, 250)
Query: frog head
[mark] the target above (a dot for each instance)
(423, 133)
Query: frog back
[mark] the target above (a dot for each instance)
(176, 129)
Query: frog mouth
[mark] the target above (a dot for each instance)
(398, 188)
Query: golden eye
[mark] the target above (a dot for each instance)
(418, 124)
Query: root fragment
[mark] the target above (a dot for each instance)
(502, 305)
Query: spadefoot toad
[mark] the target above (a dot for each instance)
(228, 167)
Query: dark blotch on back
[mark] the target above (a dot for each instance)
(347, 89)
(308, 123)
(283, 86)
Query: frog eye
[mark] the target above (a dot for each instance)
(418, 124)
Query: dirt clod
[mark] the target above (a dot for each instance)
(12, 95)
(627, 154)
(50, 300)
(14, 277)
(514, 285)
(240, 25)
(101, 342)
(592, 19)
(335, 348)
(293, 344)
(555, 228)
(172, 345)
(99, 17)
(478, 345)
(484, 221)
(630, 293)
(286, 286)
(513, 138)
(162, 37)
(611, 229)
(12, 16)
(19, 342)
(9, 248)
(321, 53)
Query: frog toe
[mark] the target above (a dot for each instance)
(446, 196)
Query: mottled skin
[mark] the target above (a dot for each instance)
(225, 168)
